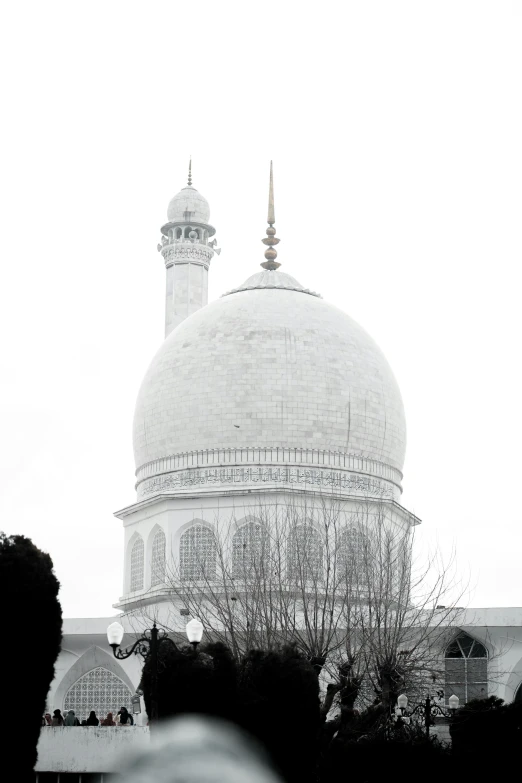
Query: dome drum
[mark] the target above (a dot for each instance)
(247, 469)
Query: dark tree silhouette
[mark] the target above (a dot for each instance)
(204, 683)
(485, 727)
(32, 622)
(279, 693)
(273, 695)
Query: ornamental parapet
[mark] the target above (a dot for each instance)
(186, 252)
(250, 468)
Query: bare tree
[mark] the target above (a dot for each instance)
(337, 580)
(406, 610)
(277, 578)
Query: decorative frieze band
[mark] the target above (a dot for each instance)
(255, 477)
(187, 253)
(269, 455)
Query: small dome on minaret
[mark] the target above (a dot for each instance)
(188, 206)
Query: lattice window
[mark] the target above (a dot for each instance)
(137, 565)
(99, 690)
(158, 559)
(305, 554)
(353, 551)
(466, 669)
(249, 549)
(197, 553)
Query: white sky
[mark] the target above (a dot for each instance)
(395, 130)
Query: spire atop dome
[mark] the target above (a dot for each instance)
(189, 182)
(270, 253)
(271, 214)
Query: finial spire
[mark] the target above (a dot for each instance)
(270, 253)
(189, 183)
(271, 215)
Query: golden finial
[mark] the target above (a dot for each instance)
(270, 253)
(189, 183)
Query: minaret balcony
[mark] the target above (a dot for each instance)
(186, 252)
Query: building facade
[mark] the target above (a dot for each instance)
(267, 397)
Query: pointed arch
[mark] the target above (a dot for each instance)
(305, 554)
(100, 690)
(198, 553)
(466, 668)
(158, 558)
(250, 544)
(92, 658)
(137, 564)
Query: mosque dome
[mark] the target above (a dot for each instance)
(188, 206)
(269, 373)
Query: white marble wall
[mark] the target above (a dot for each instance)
(186, 290)
(174, 515)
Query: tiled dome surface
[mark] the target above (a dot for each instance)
(188, 200)
(270, 366)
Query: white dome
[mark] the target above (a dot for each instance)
(188, 206)
(264, 376)
(271, 278)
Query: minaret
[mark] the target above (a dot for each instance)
(187, 253)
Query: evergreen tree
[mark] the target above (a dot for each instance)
(32, 626)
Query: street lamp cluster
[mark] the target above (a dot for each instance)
(427, 709)
(148, 645)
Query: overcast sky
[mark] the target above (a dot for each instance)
(395, 130)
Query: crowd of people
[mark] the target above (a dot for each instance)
(122, 718)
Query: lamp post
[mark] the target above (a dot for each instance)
(194, 631)
(148, 645)
(427, 709)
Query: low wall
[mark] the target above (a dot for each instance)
(87, 748)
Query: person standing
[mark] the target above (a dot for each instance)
(108, 720)
(126, 718)
(57, 718)
(92, 720)
(71, 719)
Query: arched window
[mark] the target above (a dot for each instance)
(249, 549)
(158, 559)
(466, 669)
(136, 565)
(99, 690)
(353, 552)
(305, 554)
(197, 553)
